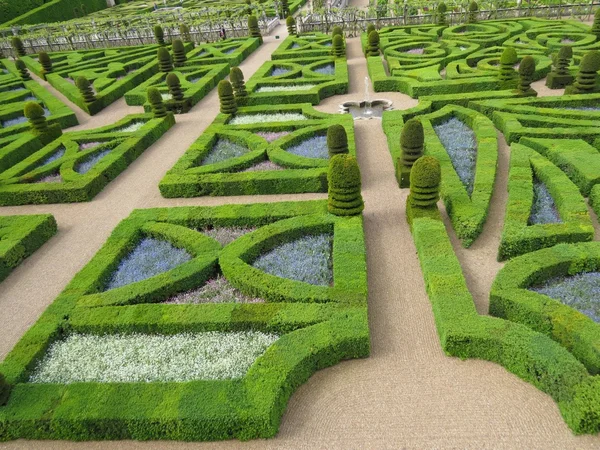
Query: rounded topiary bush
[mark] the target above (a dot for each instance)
(412, 140)
(563, 59)
(526, 72)
(507, 74)
(165, 64)
(337, 48)
(5, 389)
(596, 24)
(337, 30)
(159, 34)
(226, 98)
(373, 46)
(179, 56)
(253, 28)
(473, 10)
(343, 176)
(184, 31)
(560, 75)
(441, 13)
(35, 113)
(85, 89)
(17, 45)
(45, 62)
(156, 102)
(174, 86)
(23, 72)
(370, 28)
(587, 77)
(236, 76)
(425, 178)
(290, 23)
(337, 140)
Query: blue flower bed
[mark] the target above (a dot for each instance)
(315, 147)
(581, 291)
(584, 108)
(151, 257)
(277, 71)
(87, 164)
(54, 156)
(223, 150)
(460, 143)
(543, 209)
(328, 69)
(307, 259)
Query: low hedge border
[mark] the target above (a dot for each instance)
(20, 236)
(530, 355)
(511, 299)
(518, 237)
(18, 183)
(304, 46)
(55, 11)
(313, 336)
(190, 179)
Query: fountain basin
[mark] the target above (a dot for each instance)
(366, 109)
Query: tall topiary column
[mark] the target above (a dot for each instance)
(425, 179)
(412, 141)
(165, 64)
(226, 98)
(159, 35)
(23, 72)
(174, 86)
(17, 45)
(596, 24)
(337, 140)
(253, 28)
(370, 28)
(184, 31)
(179, 56)
(560, 76)
(337, 30)
(290, 23)
(373, 47)
(85, 89)
(156, 102)
(508, 75)
(587, 77)
(337, 47)
(343, 177)
(473, 10)
(236, 76)
(526, 72)
(441, 13)
(38, 124)
(285, 8)
(5, 389)
(46, 63)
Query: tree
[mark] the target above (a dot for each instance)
(253, 28)
(156, 102)
(85, 89)
(226, 98)
(179, 53)
(587, 77)
(23, 72)
(184, 31)
(507, 73)
(290, 23)
(46, 63)
(343, 177)
(560, 75)
(412, 141)
(337, 140)
(596, 24)
(441, 14)
(165, 64)
(373, 46)
(473, 10)
(18, 47)
(526, 72)
(159, 34)
(236, 76)
(337, 47)
(174, 86)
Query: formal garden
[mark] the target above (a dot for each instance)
(232, 188)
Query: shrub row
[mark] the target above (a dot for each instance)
(47, 12)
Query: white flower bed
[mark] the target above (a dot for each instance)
(289, 88)
(151, 358)
(247, 119)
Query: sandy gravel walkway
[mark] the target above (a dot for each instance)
(408, 394)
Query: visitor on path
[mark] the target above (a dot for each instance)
(222, 33)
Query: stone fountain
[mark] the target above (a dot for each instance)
(367, 109)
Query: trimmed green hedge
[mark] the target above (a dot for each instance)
(511, 299)
(20, 236)
(518, 236)
(47, 12)
(313, 335)
(304, 46)
(20, 182)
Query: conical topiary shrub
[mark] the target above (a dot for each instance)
(343, 177)
(156, 102)
(179, 57)
(370, 28)
(35, 113)
(290, 23)
(174, 86)
(285, 8)
(441, 13)
(337, 140)
(184, 31)
(46, 63)
(587, 77)
(337, 47)
(226, 98)
(412, 141)
(236, 76)
(85, 89)
(23, 72)
(507, 74)
(165, 64)
(5, 389)
(17, 45)
(337, 30)
(596, 24)
(560, 76)
(253, 28)
(526, 72)
(159, 35)
(425, 180)
(473, 10)
(373, 46)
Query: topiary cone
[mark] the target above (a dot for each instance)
(18, 46)
(441, 14)
(560, 75)
(507, 74)
(343, 177)
(85, 89)
(373, 46)
(337, 47)
(596, 24)
(23, 72)
(526, 72)
(412, 141)
(337, 31)
(226, 98)
(35, 113)
(425, 179)
(587, 77)
(179, 56)
(46, 63)
(236, 77)
(290, 23)
(370, 28)
(473, 10)
(337, 140)
(253, 28)
(165, 64)
(159, 34)
(174, 86)
(184, 31)
(159, 109)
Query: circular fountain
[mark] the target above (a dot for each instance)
(367, 109)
